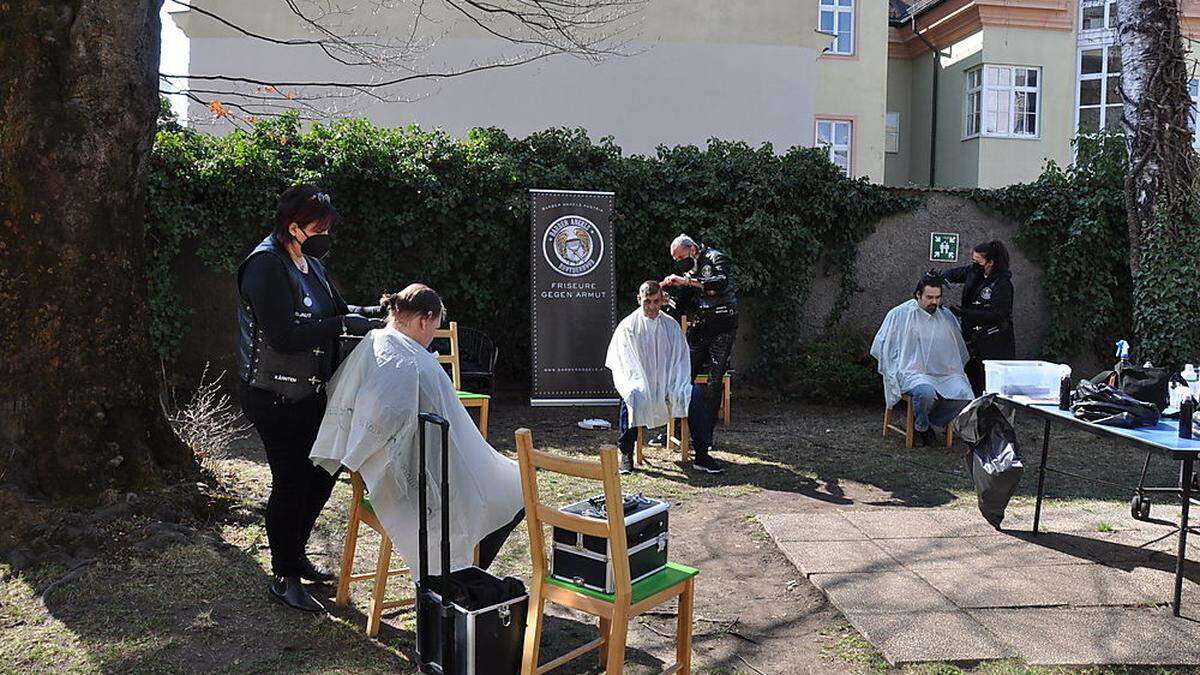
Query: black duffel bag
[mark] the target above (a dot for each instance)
(1107, 405)
(1145, 383)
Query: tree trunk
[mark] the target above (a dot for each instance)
(1160, 196)
(79, 409)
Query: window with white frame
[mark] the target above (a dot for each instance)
(1003, 101)
(974, 106)
(836, 137)
(1099, 93)
(837, 18)
(1194, 90)
(1097, 15)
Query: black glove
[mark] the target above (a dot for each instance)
(933, 273)
(370, 311)
(357, 324)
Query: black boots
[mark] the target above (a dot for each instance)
(289, 591)
(310, 572)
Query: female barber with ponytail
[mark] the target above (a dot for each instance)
(290, 317)
(986, 312)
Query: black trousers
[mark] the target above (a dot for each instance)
(489, 546)
(711, 342)
(299, 489)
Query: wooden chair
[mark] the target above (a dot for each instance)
(361, 513)
(727, 382)
(614, 610)
(468, 399)
(909, 431)
(683, 441)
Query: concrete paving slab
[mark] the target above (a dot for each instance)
(941, 585)
(1095, 635)
(815, 557)
(886, 591)
(897, 523)
(909, 637)
(1025, 550)
(934, 552)
(810, 527)
(1042, 586)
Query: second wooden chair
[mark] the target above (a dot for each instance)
(615, 610)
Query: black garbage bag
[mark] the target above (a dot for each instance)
(994, 460)
(1107, 405)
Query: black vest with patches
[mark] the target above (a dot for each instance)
(293, 375)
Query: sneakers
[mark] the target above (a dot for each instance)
(658, 441)
(626, 465)
(706, 463)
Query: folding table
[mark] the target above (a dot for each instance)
(1162, 439)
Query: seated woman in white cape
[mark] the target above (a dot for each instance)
(370, 426)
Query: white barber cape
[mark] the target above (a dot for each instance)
(370, 426)
(915, 347)
(651, 368)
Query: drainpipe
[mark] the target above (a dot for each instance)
(933, 105)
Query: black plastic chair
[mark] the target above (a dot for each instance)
(477, 357)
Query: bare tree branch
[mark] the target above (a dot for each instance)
(588, 29)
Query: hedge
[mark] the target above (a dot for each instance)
(421, 205)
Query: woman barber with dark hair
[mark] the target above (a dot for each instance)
(986, 311)
(290, 317)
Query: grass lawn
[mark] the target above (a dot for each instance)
(165, 592)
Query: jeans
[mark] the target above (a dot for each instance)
(299, 489)
(932, 410)
(700, 426)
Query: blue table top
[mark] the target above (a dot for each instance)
(1163, 436)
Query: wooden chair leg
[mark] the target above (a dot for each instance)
(887, 420)
(683, 632)
(475, 556)
(671, 444)
(638, 457)
(605, 629)
(685, 441)
(616, 641)
(533, 631)
(348, 549)
(483, 418)
(910, 426)
(950, 435)
(726, 408)
(379, 592)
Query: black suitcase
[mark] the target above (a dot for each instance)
(585, 560)
(476, 633)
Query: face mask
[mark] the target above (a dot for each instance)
(684, 266)
(316, 245)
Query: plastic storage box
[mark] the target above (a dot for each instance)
(1028, 380)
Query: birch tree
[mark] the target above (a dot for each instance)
(1160, 188)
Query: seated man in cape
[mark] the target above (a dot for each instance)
(921, 353)
(652, 371)
(370, 426)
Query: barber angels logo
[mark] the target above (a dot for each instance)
(573, 246)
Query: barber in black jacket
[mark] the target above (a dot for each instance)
(707, 292)
(290, 317)
(987, 308)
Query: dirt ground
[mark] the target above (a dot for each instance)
(160, 591)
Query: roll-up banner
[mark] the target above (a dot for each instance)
(572, 288)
